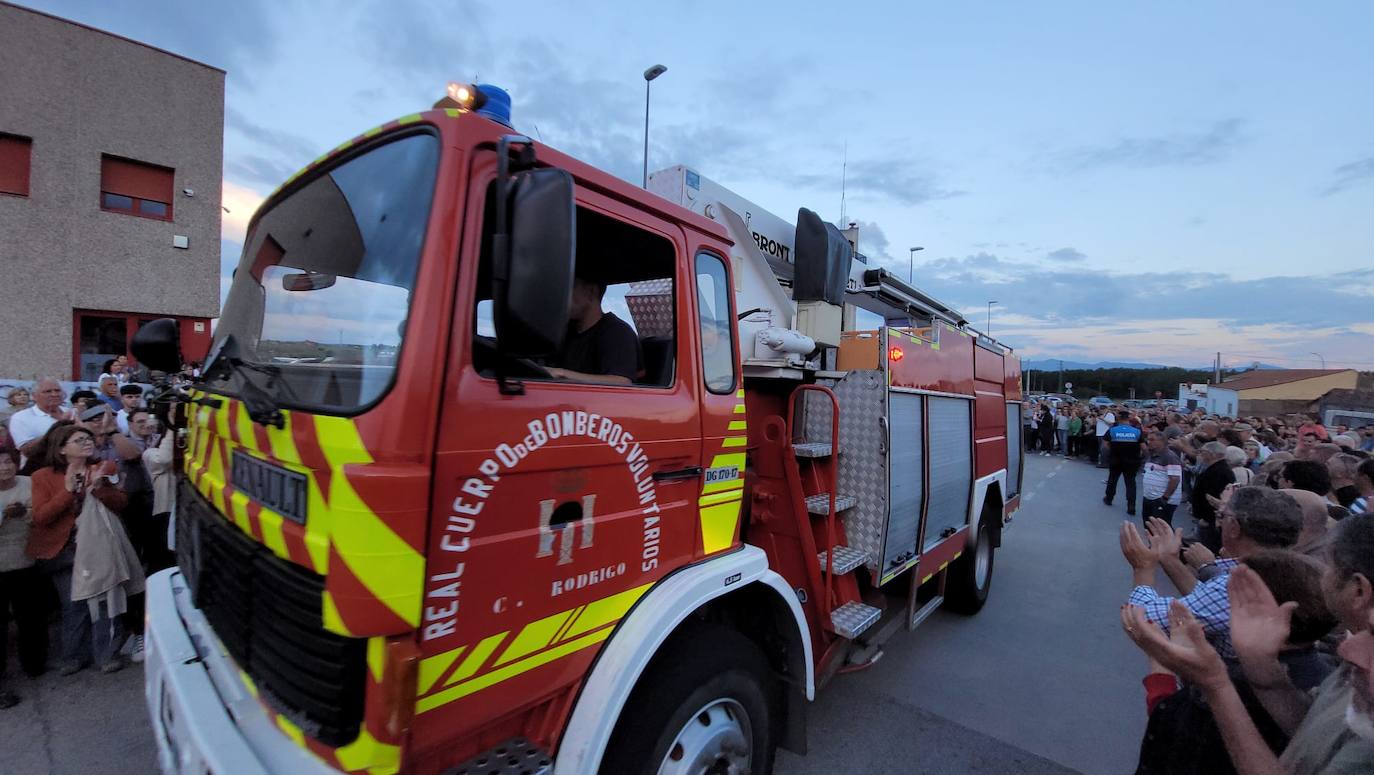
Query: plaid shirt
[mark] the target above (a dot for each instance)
(1208, 602)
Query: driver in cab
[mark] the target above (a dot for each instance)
(600, 347)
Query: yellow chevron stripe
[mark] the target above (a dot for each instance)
(476, 657)
(604, 611)
(734, 441)
(737, 425)
(292, 731)
(715, 498)
(739, 408)
(718, 525)
(376, 657)
(433, 667)
(369, 753)
(536, 635)
(390, 569)
(585, 625)
(426, 704)
(245, 428)
(272, 536)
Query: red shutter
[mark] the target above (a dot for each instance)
(136, 179)
(14, 164)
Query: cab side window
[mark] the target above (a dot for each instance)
(717, 326)
(621, 326)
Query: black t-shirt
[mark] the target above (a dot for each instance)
(608, 347)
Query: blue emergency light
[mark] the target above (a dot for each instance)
(497, 104)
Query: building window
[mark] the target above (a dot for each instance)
(135, 188)
(14, 164)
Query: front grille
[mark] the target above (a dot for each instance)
(268, 614)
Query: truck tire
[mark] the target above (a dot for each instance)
(970, 576)
(707, 704)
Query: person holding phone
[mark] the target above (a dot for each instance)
(59, 492)
(20, 584)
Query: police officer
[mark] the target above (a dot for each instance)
(1124, 441)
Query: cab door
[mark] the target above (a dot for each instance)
(555, 509)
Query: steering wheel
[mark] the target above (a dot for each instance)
(489, 354)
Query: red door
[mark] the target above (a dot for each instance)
(556, 509)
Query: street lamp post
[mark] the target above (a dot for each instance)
(1323, 359)
(911, 265)
(649, 75)
(990, 317)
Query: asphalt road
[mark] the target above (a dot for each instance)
(1040, 681)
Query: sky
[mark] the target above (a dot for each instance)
(1145, 182)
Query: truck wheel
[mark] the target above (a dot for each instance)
(706, 705)
(970, 576)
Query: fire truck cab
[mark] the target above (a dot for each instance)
(499, 463)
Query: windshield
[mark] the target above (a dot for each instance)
(324, 286)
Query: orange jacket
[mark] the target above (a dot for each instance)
(54, 510)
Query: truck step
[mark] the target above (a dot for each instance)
(517, 755)
(819, 504)
(813, 449)
(852, 619)
(847, 558)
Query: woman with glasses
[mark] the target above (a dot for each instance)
(59, 493)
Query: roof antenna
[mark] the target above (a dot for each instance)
(844, 175)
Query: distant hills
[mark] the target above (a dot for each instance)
(1052, 364)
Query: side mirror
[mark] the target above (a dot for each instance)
(822, 256)
(157, 345)
(531, 310)
(308, 281)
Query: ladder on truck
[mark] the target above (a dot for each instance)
(842, 611)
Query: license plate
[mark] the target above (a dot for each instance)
(270, 485)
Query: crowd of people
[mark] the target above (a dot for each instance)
(86, 488)
(1261, 657)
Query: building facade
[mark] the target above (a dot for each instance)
(111, 162)
(1276, 391)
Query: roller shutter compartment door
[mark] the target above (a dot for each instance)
(951, 465)
(905, 478)
(1014, 450)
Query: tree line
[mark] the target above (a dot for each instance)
(1117, 383)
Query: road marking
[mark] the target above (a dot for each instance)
(1028, 496)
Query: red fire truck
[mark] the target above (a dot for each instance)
(427, 525)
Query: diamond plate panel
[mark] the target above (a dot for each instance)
(651, 306)
(819, 504)
(863, 459)
(815, 421)
(847, 558)
(517, 756)
(851, 619)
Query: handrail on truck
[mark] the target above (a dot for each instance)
(834, 481)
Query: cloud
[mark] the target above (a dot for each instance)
(1066, 254)
(904, 182)
(1350, 175)
(1177, 150)
(240, 37)
(240, 202)
(287, 143)
(1048, 298)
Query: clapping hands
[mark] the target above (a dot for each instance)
(1184, 651)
